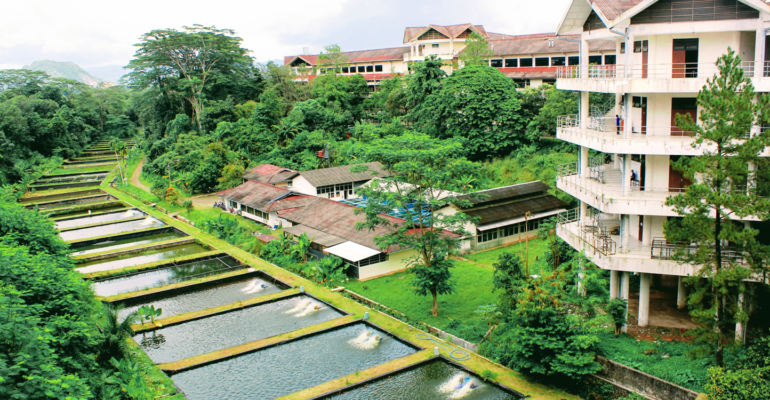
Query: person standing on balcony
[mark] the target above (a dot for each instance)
(617, 123)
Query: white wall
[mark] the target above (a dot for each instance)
(395, 263)
(710, 46)
(659, 169)
(300, 184)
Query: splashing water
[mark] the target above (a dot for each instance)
(366, 340)
(259, 285)
(251, 285)
(450, 385)
(299, 306)
(149, 221)
(466, 388)
(130, 213)
(310, 309)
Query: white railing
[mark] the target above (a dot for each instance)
(656, 71)
(609, 125)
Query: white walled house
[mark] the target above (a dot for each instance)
(337, 182)
(263, 203)
(666, 50)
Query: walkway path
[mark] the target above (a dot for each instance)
(135, 176)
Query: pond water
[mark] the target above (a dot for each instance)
(110, 229)
(199, 297)
(222, 331)
(106, 217)
(290, 367)
(435, 380)
(110, 245)
(159, 277)
(59, 217)
(64, 196)
(148, 256)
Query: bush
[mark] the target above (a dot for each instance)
(742, 384)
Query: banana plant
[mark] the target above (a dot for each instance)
(149, 313)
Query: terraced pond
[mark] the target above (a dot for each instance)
(144, 257)
(101, 218)
(110, 229)
(107, 244)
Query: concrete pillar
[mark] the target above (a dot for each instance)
(629, 63)
(628, 116)
(644, 300)
(583, 213)
(584, 162)
(647, 230)
(739, 330)
(647, 172)
(583, 57)
(585, 109)
(759, 50)
(625, 232)
(626, 174)
(681, 294)
(615, 161)
(625, 284)
(614, 283)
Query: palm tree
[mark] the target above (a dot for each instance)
(115, 331)
(465, 182)
(118, 146)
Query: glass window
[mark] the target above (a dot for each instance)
(344, 70)
(434, 45)
(574, 60)
(361, 68)
(557, 61)
(596, 60)
(511, 62)
(487, 236)
(378, 68)
(525, 62)
(623, 48)
(610, 59)
(521, 82)
(549, 81)
(370, 68)
(541, 62)
(497, 63)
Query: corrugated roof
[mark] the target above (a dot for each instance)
(338, 175)
(322, 238)
(540, 45)
(359, 56)
(505, 193)
(515, 209)
(613, 8)
(451, 31)
(269, 173)
(264, 197)
(338, 220)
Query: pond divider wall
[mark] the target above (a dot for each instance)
(127, 235)
(84, 207)
(75, 201)
(123, 210)
(96, 224)
(27, 200)
(161, 245)
(66, 185)
(457, 341)
(407, 368)
(407, 343)
(54, 176)
(632, 380)
(148, 297)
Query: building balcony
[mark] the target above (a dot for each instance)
(602, 134)
(408, 57)
(603, 190)
(651, 78)
(607, 252)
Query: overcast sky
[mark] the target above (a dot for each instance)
(98, 33)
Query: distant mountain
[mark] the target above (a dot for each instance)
(111, 73)
(68, 70)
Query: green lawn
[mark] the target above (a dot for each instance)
(473, 277)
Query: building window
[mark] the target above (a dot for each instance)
(640, 46)
(525, 62)
(497, 63)
(574, 60)
(378, 68)
(434, 45)
(521, 82)
(509, 230)
(557, 61)
(511, 62)
(344, 70)
(370, 68)
(325, 189)
(610, 59)
(541, 62)
(549, 81)
(361, 68)
(623, 48)
(233, 204)
(595, 60)
(534, 225)
(375, 259)
(487, 236)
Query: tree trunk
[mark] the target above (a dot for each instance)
(434, 310)
(718, 299)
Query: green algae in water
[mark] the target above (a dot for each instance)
(130, 260)
(110, 245)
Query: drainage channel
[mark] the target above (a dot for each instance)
(235, 327)
(293, 365)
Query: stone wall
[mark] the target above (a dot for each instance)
(636, 381)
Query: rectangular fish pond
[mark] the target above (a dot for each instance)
(109, 229)
(203, 295)
(99, 218)
(139, 258)
(83, 213)
(72, 202)
(430, 380)
(293, 365)
(44, 198)
(234, 327)
(165, 275)
(125, 240)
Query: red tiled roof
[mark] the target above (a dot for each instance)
(266, 238)
(359, 56)
(530, 72)
(539, 44)
(451, 31)
(261, 196)
(613, 8)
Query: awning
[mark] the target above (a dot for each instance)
(353, 252)
(512, 221)
(322, 238)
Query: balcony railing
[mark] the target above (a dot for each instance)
(609, 125)
(656, 71)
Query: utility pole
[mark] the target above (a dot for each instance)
(526, 237)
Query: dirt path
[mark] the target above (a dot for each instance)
(135, 177)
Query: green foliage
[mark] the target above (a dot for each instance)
(617, 310)
(232, 176)
(20, 227)
(477, 50)
(479, 106)
(742, 384)
(488, 375)
(510, 279)
(723, 191)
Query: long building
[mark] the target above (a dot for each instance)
(529, 60)
(667, 49)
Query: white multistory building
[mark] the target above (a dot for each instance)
(666, 50)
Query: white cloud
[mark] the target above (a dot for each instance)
(93, 33)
